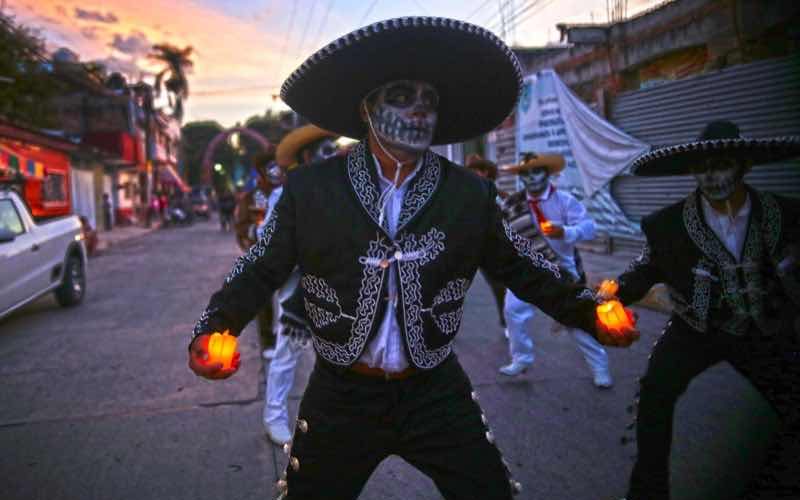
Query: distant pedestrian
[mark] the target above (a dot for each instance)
(107, 212)
(303, 146)
(226, 205)
(553, 221)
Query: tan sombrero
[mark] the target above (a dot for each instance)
(552, 162)
(294, 141)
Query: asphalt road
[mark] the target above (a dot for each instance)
(96, 402)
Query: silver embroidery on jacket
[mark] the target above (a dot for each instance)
(427, 248)
(454, 291)
(256, 251)
(320, 317)
(524, 247)
(366, 309)
(421, 189)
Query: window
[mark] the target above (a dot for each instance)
(9, 218)
(54, 188)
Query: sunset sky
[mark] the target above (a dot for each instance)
(245, 48)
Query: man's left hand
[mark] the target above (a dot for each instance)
(553, 231)
(618, 337)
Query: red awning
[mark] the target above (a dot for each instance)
(168, 174)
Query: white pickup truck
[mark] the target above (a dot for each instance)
(38, 258)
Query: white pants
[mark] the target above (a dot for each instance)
(519, 314)
(280, 372)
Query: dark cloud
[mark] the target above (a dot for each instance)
(90, 32)
(135, 44)
(126, 67)
(93, 15)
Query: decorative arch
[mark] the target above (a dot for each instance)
(212, 146)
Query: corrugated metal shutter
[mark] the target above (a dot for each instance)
(763, 98)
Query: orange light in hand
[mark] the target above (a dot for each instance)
(613, 316)
(546, 226)
(221, 348)
(608, 289)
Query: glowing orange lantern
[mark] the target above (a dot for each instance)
(221, 348)
(613, 316)
(546, 226)
(608, 289)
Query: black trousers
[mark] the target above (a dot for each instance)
(430, 420)
(266, 334)
(499, 294)
(772, 365)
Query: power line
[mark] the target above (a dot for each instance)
(367, 13)
(533, 13)
(322, 24)
(305, 29)
(480, 7)
(288, 36)
(520, 12)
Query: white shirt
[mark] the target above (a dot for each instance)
(731, 233)
(562, 208)
(386, 351)
(272, 200)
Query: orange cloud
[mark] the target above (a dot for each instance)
(228, 51)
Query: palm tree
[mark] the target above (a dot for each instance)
(177, 86)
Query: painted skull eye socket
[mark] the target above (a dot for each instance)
(400, 95)
(713, 164)
(535, 174)
(404, 95)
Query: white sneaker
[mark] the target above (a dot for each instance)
(603, 380)
(268, 354)
(278, 433)
(514, 368)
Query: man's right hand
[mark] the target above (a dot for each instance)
(198, 361)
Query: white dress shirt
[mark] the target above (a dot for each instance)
(730, 231)
(272, 200)
(565, 210)
(386, 350)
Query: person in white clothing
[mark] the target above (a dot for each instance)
(304, 145)
(555, 221)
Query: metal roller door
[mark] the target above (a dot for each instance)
(763, 98)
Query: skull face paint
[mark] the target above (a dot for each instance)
(718, 178)
(535, 180)
(403, 115)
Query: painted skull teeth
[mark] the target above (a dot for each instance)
(408, 127)
(718, 185)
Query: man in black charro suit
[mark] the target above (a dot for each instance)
(729, 257)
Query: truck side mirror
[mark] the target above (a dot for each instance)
(6, 235)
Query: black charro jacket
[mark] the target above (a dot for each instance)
(328, 223)
(709, 289)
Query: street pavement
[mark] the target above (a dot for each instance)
(97, 402)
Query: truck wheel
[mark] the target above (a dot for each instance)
(72, 289)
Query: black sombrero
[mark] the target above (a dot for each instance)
(718, 138)
(477, 76)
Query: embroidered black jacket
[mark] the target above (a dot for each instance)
(327, 222)
(707, 286)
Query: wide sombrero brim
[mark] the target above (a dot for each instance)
(678, 159)
(294, 141)
(477, 76)
(553, 163)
